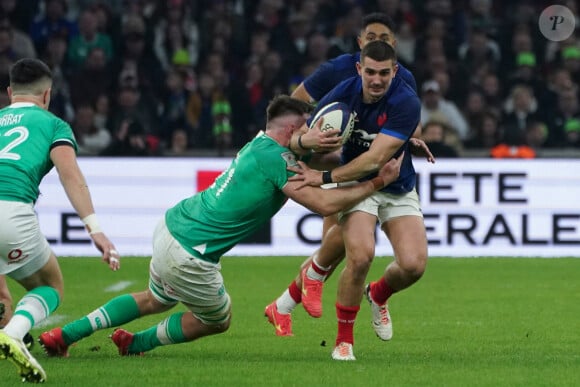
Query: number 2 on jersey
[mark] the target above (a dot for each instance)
(21, 136)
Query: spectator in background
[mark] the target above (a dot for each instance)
(54, 56)
(20, 13)
(179, 144)
(274, 75)
(520, 109)
(433, 133)
(88, 38)
(174, 103)
(21, 42)
(406, 44)
(568, 109)
(131, 107)
(176, 30)
(92, 140)
(526, 72)
(135, 59)
(199, 112)
(102, 109)
(294, 45)
(474, 107)
(571, 61)
(92, 79)
(434, 106)
(130, 141)
(572, 132)
(317, 49)
(487, 133)
(346, 33)
(536, 135)
(52, 22)
(492, 91)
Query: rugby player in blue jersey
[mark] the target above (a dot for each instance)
(308, 284)
(388, 111)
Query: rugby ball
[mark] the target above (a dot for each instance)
(335, 115)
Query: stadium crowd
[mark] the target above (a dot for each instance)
(153, 77)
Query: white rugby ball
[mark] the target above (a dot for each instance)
(336, 115)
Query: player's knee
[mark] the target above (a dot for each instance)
(413, 265)
(360, 262)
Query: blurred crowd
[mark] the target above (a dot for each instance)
(153, 77)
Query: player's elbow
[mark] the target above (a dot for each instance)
(327, 209)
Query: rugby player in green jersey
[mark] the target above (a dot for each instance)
(193, 235)
(32, 141)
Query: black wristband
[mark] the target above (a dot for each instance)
(326, 177)
(300, 143)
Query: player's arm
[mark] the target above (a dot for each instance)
(73, 181)
(330, 201)
(381, 150)
(304, 141)
(301, 93)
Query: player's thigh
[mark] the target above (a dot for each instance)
(409, 241)
(177, 276)
(25, 254)
(358, 230)
(328, 222)
(48, 275)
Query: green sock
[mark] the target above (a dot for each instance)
(38, 304)
(168, 331)
(118, 311)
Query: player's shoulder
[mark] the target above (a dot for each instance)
(344, 61)
(268, 153)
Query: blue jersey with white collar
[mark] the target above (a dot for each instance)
(396, 114)
(336, 70)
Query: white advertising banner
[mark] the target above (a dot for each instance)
(472, 207)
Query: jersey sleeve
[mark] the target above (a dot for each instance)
(403, 118)
(275, 165)
(63, 134)
(320, 81)
(408, 77)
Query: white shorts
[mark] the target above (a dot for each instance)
(386, 206)
(23, 248)
(177, 276)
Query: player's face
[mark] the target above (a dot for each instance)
(376, 78)
(376, 31)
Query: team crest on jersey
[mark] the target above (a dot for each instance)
(381, 119)
(290, 159)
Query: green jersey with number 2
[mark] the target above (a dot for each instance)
(27, 135)
(241, 199)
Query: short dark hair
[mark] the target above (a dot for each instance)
(27, 71)
(380, 18)
(379, 51)
(282, 105)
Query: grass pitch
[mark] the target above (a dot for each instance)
(467, 322)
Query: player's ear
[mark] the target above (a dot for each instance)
(9, 91)
(360, 42)
(359, 68)
(46, 97)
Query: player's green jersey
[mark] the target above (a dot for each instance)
(241, 199)
(27, 134)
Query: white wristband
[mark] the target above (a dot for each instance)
(92, 224)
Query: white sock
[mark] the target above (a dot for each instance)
(313, 274)
(285, 303)
(18, 326)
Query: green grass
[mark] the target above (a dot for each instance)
(468, 322)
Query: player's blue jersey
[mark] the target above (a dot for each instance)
(336, 70)
(396, 114)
